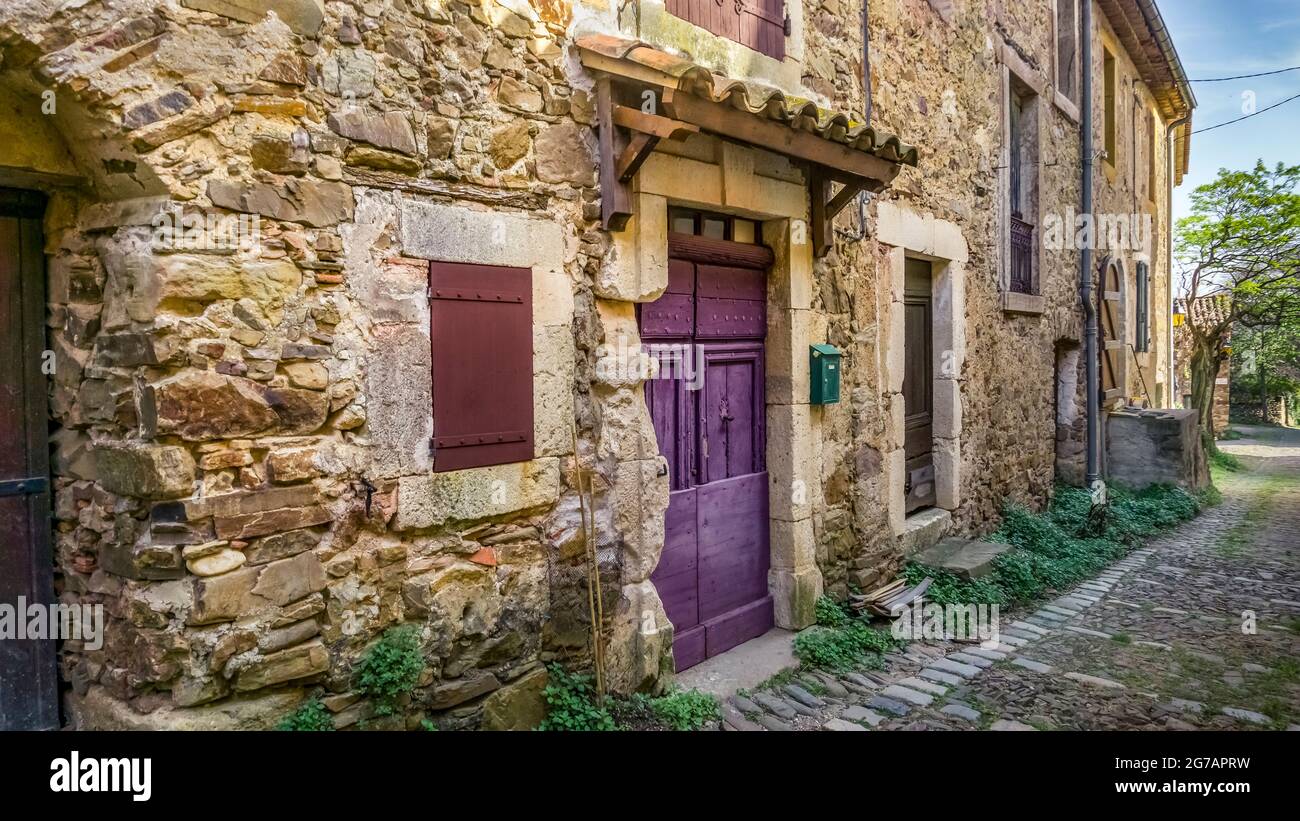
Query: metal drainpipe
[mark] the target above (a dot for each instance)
(866, 62)
(1171, 163)
(1092, 474)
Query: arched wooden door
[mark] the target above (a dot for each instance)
(1110, 306)
(709, 420)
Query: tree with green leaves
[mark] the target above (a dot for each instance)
(1265, 368)
(1238, 256)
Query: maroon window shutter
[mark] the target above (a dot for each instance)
(762, 26)
(758, 24)
(481, 334)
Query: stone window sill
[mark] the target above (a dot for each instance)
(1017, 303)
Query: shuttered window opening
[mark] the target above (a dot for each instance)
(1142, 343)
(481, 320)
(758, 24)
(1109, 299)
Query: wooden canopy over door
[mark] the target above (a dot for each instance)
(712, 575)
(644, 95)
(28, 689)
(1109, 311)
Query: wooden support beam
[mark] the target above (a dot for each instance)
(825, 207)
(837, 203)
(819, 186)
(665, 128)
(637, 151)
(615, 194)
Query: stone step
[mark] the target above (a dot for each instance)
(921, 531)
(956, 668)
(733, 719)
(901, 693)
(1095, 681)
(972, 660)
(1061, 611)
(804, 697)
(1070, 602)
(1084, 631)
(1005, 725)
(833, 687)
(961, 711)
(940, 677)
(1023, 636)
(1031, 628)
(778, 707)
(966, 558)
(889, 705)
(921, 685)
(840, 725)
(862, 715)
(773, 723)
(984, 652)
(1031, 665)
(1246, 715)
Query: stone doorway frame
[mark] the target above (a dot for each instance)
(53, 173)
(908, 233)
(639, 273)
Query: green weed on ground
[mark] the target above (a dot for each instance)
(572, 706)
(841, 642)
(1061, 546)
(571, 703)
(1233, 543)
(681, 710)
(1225, 461)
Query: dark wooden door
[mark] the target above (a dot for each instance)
(28, 690)
(918, 386)
(712, 575)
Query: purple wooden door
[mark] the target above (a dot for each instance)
(28, 688)
(712, 575)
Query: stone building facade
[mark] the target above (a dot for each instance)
(242, 202)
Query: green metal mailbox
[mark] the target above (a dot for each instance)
(824, 374)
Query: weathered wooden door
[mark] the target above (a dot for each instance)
(1109, 306)
(709, 420)
(28, 690)
(918, 386)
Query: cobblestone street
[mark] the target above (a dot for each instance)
(1161, 639)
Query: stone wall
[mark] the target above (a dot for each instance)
(242, 471)
(242, 463)
(1121, 187)
(1148, 447)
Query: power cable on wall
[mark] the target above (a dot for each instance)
(1248, 116)
(1244, 76)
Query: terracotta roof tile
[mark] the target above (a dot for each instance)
(754, 98)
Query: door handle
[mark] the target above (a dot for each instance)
(907, 483)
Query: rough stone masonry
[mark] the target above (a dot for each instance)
(240, 429)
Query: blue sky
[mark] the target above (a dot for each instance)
(1218, 38)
